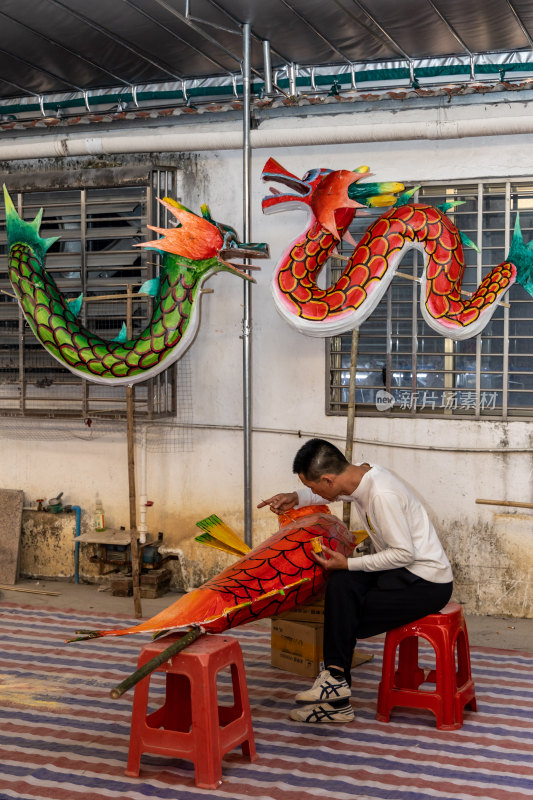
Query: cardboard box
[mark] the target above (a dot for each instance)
(310, 612)
(297, 647)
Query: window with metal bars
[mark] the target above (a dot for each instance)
(404, 368)
(98, 227)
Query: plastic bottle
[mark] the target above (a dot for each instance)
(99, 520)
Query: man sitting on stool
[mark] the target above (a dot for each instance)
(406, 577)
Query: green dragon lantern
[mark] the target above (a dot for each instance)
(191, 252)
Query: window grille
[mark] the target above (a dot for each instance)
(490, 375)
(98, 227)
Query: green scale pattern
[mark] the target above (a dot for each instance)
(58, 330)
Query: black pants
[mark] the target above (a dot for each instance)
(363, 604)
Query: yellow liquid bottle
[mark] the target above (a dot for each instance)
(99, 519)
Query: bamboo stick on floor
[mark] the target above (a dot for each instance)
(29, 591)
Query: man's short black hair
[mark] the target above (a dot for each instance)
(318, 457)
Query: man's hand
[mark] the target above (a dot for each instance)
(330, 559)
(279, 503)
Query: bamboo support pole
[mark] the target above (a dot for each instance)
(130, 415)
(154, 663)
(134, 545)
(350, 421)
(510, 503)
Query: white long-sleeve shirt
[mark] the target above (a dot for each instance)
(401, 532)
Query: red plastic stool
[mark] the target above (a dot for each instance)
(191, 724)
(406, 686)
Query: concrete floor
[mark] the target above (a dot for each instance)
(505, 633)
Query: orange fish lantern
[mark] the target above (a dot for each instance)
(274, 577)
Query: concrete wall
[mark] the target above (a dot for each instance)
(47, 548)
(448, 462)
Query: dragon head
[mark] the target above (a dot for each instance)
(326, 191)
(202, 243)
(303, 189)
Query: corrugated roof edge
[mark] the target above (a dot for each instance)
(268, 104)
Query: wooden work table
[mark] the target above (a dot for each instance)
(115, 537)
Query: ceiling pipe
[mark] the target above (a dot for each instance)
(267, 68)
(194, 139)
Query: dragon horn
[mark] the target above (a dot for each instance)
(18, 229)
(521, 255)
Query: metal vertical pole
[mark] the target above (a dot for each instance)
(84, 282)
(247, 319)
(22, 333)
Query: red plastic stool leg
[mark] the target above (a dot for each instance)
(242, 708)
(138, 715)
(387, 677)
(464, 674)
(446, 680)
(205, 729)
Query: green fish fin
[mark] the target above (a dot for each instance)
(521, 255)
(206, 213)
(151, 287)
(468, 242)
(405, 197)
(444, 207)
(75, 304)
(123, 335)
(25, 232)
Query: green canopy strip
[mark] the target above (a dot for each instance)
(327, 81)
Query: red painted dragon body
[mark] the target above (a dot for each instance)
(331, 199)
(272, 578)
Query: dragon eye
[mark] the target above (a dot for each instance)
(230, 237)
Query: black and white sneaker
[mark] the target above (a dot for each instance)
(326, 687)
(323, 712)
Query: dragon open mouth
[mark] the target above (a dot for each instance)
(301, 187)
(243, 250)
